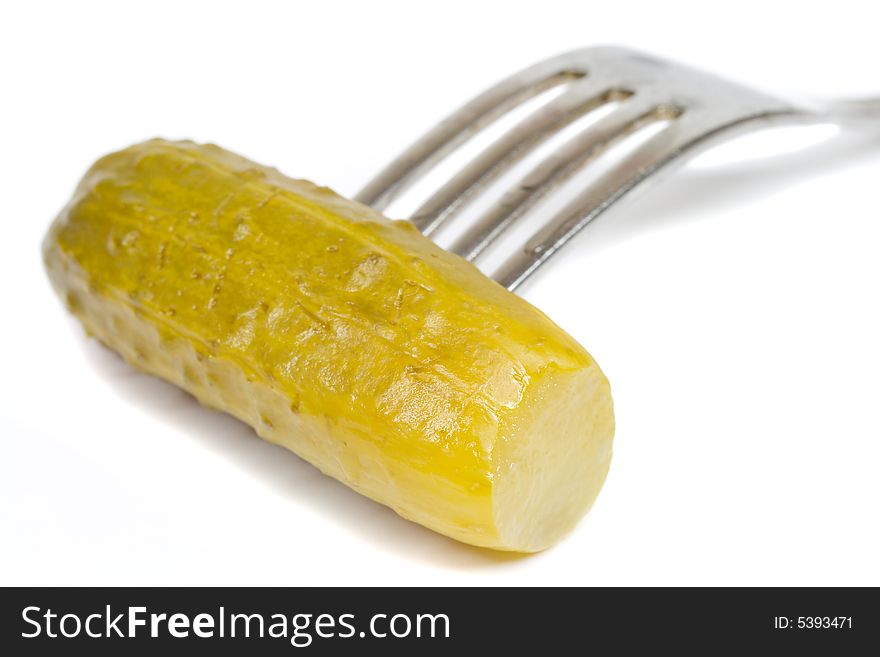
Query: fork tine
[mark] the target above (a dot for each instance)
(659, 152)
(583, 96)
(557, 168)
(462, 124)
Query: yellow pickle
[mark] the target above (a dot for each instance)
(352, 340)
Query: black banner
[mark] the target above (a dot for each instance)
(423, 621)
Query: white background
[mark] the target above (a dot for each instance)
(735, 309)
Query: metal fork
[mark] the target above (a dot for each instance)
(699, 109)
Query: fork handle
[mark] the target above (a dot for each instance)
(851, 111)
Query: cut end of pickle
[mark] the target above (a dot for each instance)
(553, 459)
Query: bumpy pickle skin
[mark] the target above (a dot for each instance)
(352, 340)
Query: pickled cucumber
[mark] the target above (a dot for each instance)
(350, 339)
